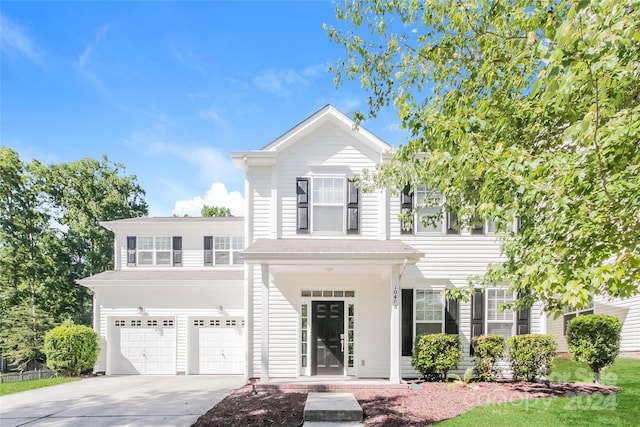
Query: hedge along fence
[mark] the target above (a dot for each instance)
(530, 355)
(435, 354)
(14, 377)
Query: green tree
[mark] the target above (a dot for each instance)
(79, 195)
(209, 211)
(24, 233)
(22, 335)
(50, 233)
(524, 110)
(594, 339)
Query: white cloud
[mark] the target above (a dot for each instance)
(14, 41)
(278, 82)
(217, 195)
(212, 164)
(84, 57)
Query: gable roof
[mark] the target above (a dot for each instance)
(327, 114)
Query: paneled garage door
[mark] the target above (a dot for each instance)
(143, 346)
(217, 345)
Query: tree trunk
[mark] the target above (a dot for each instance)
(596, 377)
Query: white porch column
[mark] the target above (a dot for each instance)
(394, 333)
(264, 323)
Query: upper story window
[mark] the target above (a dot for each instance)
(431, 218)
(159, 251)
(223, 250)
(327, 205)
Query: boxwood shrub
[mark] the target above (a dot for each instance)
(435, 354)
(530, 355)
(487, 350)
(71, 349)
(594, 339)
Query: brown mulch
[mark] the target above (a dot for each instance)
(385, 406)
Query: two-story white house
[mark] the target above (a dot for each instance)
(334, 284)
(319, 278)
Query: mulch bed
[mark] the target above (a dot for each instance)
(385, 407)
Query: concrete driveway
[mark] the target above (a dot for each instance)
(136, 400)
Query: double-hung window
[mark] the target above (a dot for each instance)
(154, 250)
(500, 321)
(328, 207)
(429, 219)
(429, 311)
(228, 250)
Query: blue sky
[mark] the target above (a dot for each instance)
(167, 88)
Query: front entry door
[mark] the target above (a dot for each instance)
(328, 337)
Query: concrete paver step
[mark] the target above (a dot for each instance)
(332, 407)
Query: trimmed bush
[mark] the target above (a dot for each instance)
(435, 354)
(530, 354)
(594, 339)
(71, 349)
(487, 349)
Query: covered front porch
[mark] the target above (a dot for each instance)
(321, 308)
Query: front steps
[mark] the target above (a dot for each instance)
(332, 410)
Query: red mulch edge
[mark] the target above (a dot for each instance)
(385, 406)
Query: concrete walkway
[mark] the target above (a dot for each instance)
(136, 400)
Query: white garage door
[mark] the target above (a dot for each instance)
(143, 346)
(217, 345)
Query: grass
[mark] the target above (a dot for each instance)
(10, 388)
(617, 410)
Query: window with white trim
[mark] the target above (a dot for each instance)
(228, 250)
(572, 312)
(154, 250)
(429, 311)
(328, 207)
(500, 321)
(432, 214)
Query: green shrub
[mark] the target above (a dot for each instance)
(435, 354)
(594, 339)
(71, 349)
(487, 349)
(530, 354)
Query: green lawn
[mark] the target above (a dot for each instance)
(621, 409)
(9, 388)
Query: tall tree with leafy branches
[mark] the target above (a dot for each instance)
(50, 233)
(215, 211)
(523, 110)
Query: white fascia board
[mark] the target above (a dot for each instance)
(242, 159)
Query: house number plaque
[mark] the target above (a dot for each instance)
(395, 295)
